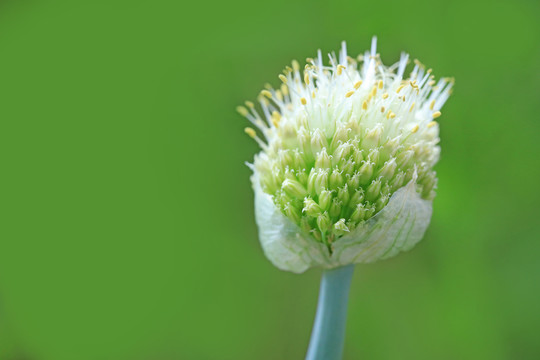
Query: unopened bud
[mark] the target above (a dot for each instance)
(321, 182)
(374, 190)
(293, 188)
(292, 213)
(323, 160)
(311, 208)
(366, 172)
(359, 213)
(340, 228)
(373, 136)
(357, 197)
(325, 199)
(335, 208)
(381, 202)
(318, 141)
(343, 195)
(404, 158)
(388, 169)
(324, 223)
(336, 179)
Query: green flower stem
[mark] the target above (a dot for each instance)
(328, 333)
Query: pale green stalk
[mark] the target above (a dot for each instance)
(328, 335)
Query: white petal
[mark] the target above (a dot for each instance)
(398, 227)
(283, 242)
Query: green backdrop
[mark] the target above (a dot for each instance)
(127, 228)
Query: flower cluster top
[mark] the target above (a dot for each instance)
(339, 139)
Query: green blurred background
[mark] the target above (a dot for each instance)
(127, 228)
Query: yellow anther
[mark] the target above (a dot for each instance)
(283, 78)
(276, 117)
(385, 96)
(429, 71)
(364, 105)
(306, 78)
(242, 110)
(284, 89)
(382, 109)
(313, 94)
(415, 129)
(412, 107)
(303, 101)
(436, 114)
(431, 83)
(249, 104)
(250, 132)
(267, 86)
(374, 91)
(432, 105)
(431, 124)
(349, 94)
(391, 115)
(381, 84)
(295, 65)
(340, 69)
(310, 60)
(279, 95)
(266, 93)
(399, 88)
(358, 84)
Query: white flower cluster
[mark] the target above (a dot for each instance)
(348, 149)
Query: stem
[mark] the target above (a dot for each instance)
(328, 333)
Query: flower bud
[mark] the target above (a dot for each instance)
(293, 188)
(354, 181)
(342, 153)
(345, 172)
(311, 208)
(325, 199)
(374, 155)
(311, 181)
(397, 181)
(285, 159)
(292, 213)
(336, 179)
(373, 136)
(343, 195)
(335, 208)
(381, 202)
(359, 213)
(366, 172)
(357, 197)
(358, 155)
(348, 168)
(340, 227)
(374, 190)
(388, 169)
(321, 182)
(404, 158)
(323, 160)
(340, 136)
(299, 161)
(318, 141)
(324, 223)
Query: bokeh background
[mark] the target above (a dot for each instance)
(127, 228)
